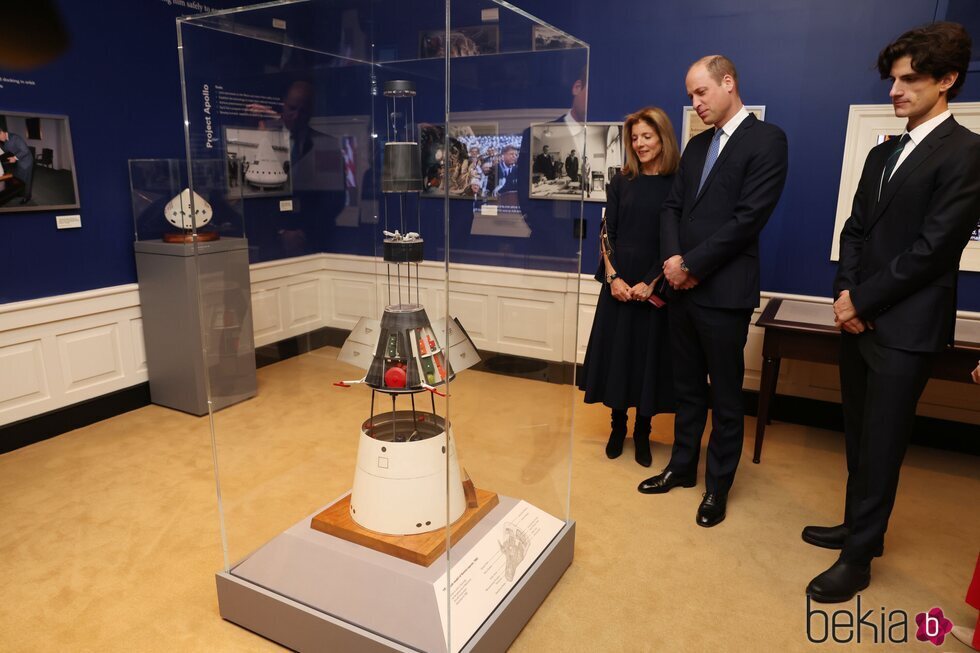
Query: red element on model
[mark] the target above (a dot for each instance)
(342, 384)
(395, 377)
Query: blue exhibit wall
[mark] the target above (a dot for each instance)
(805, 61)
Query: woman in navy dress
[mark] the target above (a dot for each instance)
(627, 363)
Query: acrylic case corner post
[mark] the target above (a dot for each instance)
(517, 219)
(305, 106)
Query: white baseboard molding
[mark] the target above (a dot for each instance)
(61, 350)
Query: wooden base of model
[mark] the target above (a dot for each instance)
(421, 549)
(188, 237)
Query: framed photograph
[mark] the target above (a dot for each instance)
(549, 38)
(463, 42)
(693, 125)
(37, 165)
(258, 162)
(481, 163)
(869, 125)
(569, 161)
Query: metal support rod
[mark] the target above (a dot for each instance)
(394, 430)
(415, 421)
(433, 402)
(371, 418)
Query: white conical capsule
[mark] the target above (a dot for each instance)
(265, 169)
(179, 212)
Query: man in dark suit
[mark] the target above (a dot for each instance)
(571, 166)
(914, 210)
(729, 182)
(18, 155)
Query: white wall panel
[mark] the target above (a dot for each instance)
(60, 350)
(22, 376)
(90, 356)
(137, 344)
(266, 315)
(304, 304)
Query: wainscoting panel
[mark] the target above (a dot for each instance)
(61, 350)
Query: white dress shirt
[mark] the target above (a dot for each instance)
(918, 135)
(731, 126)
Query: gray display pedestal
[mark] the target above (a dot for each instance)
(172, 322)
(284, 591)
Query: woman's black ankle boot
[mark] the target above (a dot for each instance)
(617, 435)
(641, 440)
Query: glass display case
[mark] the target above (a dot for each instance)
(190, 242)
(402, 479)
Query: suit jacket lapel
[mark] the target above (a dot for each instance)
(732, 140)
(921, 152)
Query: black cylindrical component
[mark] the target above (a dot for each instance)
(402, 169)
(399, 88)
(396, 251)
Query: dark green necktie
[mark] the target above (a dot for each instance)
(892, 161)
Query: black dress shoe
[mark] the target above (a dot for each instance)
(839, 583)
(711, 512)
(831, 537)
(665, 481)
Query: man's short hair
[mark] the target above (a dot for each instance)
(508, 148)
(935, 49)
(718, 65)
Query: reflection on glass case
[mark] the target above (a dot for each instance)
(402, 482)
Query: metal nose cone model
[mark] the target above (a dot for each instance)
(400, 481)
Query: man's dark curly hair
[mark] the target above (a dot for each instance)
(935, 49)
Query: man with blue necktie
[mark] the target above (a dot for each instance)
(729, 182)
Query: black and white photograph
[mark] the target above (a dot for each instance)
(37, 166)
(258, 162)
(548, 38)
(569, 162)
(463, 42)
(480, 164)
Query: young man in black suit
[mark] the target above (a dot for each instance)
(914, 210)
(729, 182)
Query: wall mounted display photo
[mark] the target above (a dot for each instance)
(463, 42)
(869, 125)
(481, 162)
(549, 38)
(37, 165)
(569, 160)
(693, 125)
(258, 162)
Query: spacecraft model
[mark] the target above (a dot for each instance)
(265, 169)
(400, 481)
(186, 211)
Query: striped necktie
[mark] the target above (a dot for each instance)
(713, 151)
(891, 162)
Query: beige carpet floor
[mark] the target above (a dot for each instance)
(110, 537)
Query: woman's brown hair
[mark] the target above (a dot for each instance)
(670, 157)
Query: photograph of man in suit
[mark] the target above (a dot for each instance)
(571, 166)
(544, 164)
(18, 159)
(913, 213)
(729, 182)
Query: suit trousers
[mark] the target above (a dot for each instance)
(708, 342)
(880, 388)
